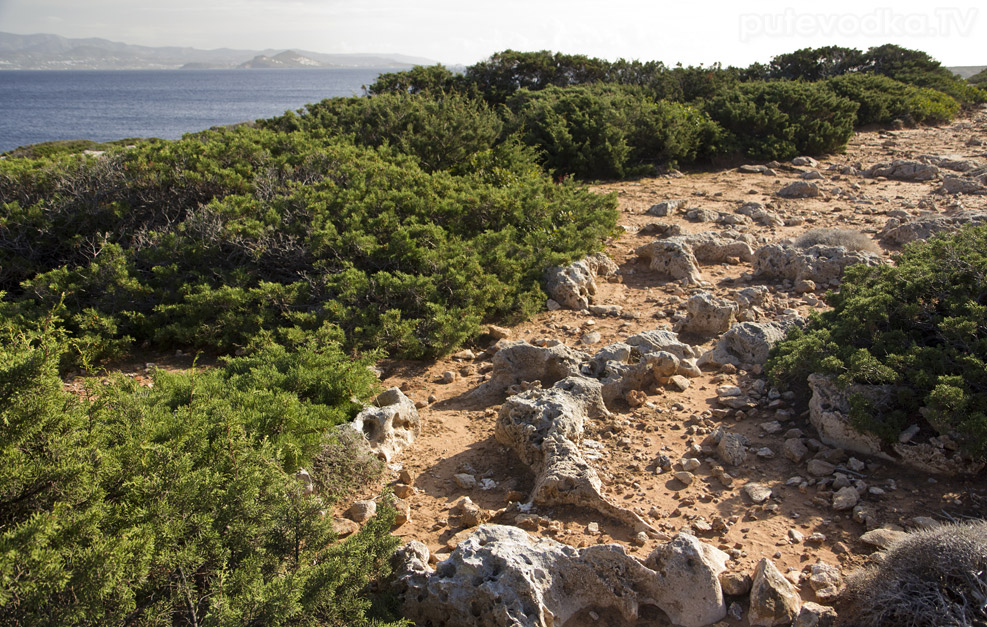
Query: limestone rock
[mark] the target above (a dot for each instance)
(845, 498)
(774, 600)
(819, 263)
(518, 361)
(795, 450)
(735, 584)
(799, 189)
(665, 208)
(898, 232)
(732, 448)
(904, 170)
(883, 538)
(574, 286)
(544, 427)
(747, 343)
(361, 511)
(825, 580)
(470, 514)
(390, 425)
(500, 576)
(708, 315)
(674, 258)
(815, 615)
(757, 492)
(829, 413)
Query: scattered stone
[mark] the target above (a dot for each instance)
(449, 376)
(906, 436)
(464, 480)
(725, 391)
(845, 498)
(799, 189)
(795, 450)
(735, 584)
(464, 355)
(680, 383)
(665, 208)
(815, 615)
(707, 315)
(756, 492)
(402, 513)
(403, 491)
(640, 538)
(593, 337)
(819, 263)
(498, 333)
(765, 453)
(361, 511)
(732, 448)
(816, 538)
(904, 170)
(795, 536)
(636, 398)
(883, 538)
(825, 580)
(685, 477)
(470, 514)
(774, 600)
(593, 529)
(747, 343)
(343, 527)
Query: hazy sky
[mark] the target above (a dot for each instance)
(460, 31)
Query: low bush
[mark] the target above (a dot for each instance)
(177, 503)
(931, 578)
(609, 131)
(849, 239)
(979, 79)
(782, 119)
(883, 100)
(917, 325)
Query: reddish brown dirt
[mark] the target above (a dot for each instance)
(458, 437)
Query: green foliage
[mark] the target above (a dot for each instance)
(918, 325)
(434, 79)
(815, 64)
(607, 131)
(883, 100)
(176, 504)
(507, 72)
(979, 79)
(781, 119)
(208, 241)
(440, 129)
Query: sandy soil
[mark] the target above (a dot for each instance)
(458, 437)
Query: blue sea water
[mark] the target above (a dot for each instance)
(39, 106)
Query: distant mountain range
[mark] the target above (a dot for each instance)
(53, 52)
(966, 71)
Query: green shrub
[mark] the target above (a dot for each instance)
(175, 504)
(608, 131)
(883, 100)
(781, 119)
(979, 79)
(919, 326)
(439, 129)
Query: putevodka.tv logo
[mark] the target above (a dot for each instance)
(941, 22)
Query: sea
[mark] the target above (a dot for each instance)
(105, 105)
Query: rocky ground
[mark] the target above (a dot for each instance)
(788, 497)
(779, 502)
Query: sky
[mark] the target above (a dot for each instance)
(465, 32)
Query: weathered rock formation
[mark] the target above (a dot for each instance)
(899, 232)
(747, 343)
(501, 576)
(819, 263)
(390, 426)
(574, 286)
(904, 170)
(519, 362)
(544, 427)
(679, 257)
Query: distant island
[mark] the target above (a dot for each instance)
(53, 52)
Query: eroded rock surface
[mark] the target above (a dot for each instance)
(819, 263)
(574, 286)
(905, 170)
(899, 232)
(747, 343)
(545, 427)
(518, 362)
(501, 576)
(389, 426)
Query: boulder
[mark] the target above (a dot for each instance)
(574, 286)
(799, 189)
(904, 170)
(898, 232)
(757, 212)
(820, 263)
(390, 425)
(774, 600)
(707, 315)
(665, 208)
(747, 343)
(732, 448)
(545, 428)
(501, 576)
(361, 511)
(672, 257)
(815, 615)
(829, 413)
(518, 362)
